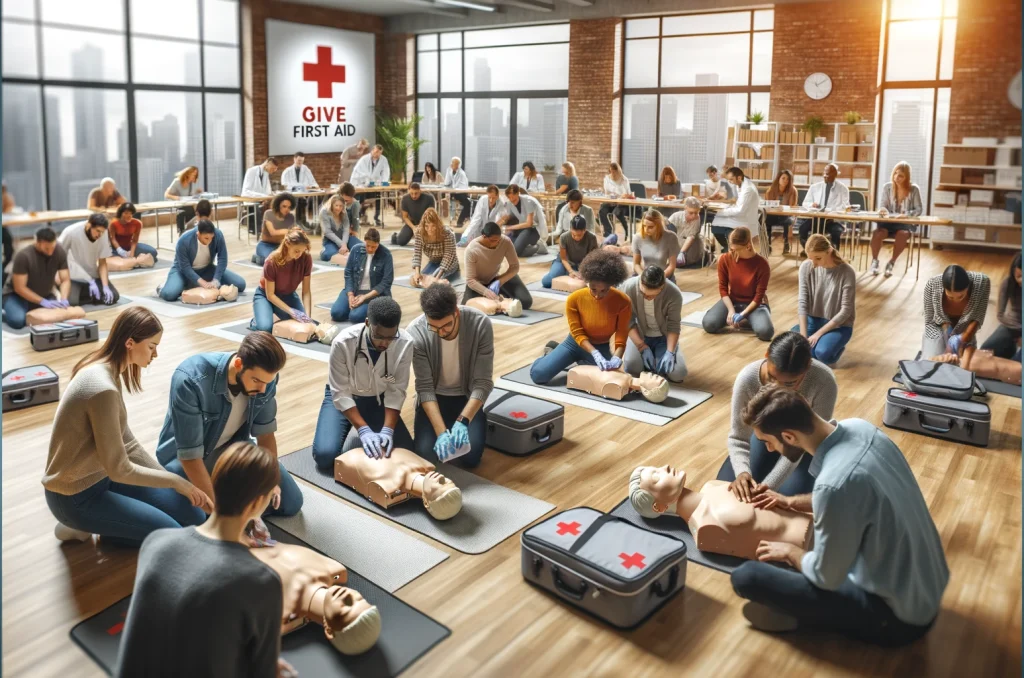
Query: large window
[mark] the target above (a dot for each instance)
(119, 88)
(687, 79)
(496, 98)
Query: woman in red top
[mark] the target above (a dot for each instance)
(124, 234)
(743, 283)
(288, 267)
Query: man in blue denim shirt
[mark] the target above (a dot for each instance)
(876, 570)
(220, 398)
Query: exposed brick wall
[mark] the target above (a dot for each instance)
(595, 53)
(988, 55)
(393, 76)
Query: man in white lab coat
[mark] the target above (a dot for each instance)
(256, 184)
(298, 176)
(455, 177)
(372, 170)
(830, 196)
(743, 213)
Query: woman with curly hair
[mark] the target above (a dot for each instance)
(599, 317)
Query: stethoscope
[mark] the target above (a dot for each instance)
(365, 355)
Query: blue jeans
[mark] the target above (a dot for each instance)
(176, 283)
(340, 311)
(332, 427)
(263, 311)
(140, 248)
(430, 267)
(123, 513)
(831, 346)
(557, 269)
(849, 610)
(762, 461)
(634, 361)
(263, 250)
(546, 368)
(451, 407)
(291, 495)
(15, 310)
(330, 249)
(760, 319)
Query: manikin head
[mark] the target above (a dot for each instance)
(227, 292)
(205, 231)
(440, 305)
(782, 420)
(350, 623)
(735, 176)
(653, 387)
(654, 490)
(96, 226)
(46, 241)
(299, 159)
(440, 496)
(371, 240)
(578, 228)
(257, 362)
(383, 316)
(490, 235)
(602, 271)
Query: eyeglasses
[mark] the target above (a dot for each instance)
(443, 330)
(382, 340)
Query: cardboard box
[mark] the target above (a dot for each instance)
(844, 138)
(861, 172)
(849, 130)
(1008, 236)
(802, 153)
(998, 216)
(942, 232)
(846, 154)
(944, 197)
(951, 175)
(976, 234)
(977, 215)
(1008, 177)
(982, 197)
(968, 156)
(865, 154)
(861, 183)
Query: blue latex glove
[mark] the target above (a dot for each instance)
(108, 295)
(371, 442)
(49, 303)
(600, 360)
(445, 446)
(955, 343)
(614, 363)
(387, 440)
(667, 363)
(495, 286)
(648, 355)
(94, 290)
(123, 253)
(301, 317)
(462, 243)
(460, 435)
(737, 318)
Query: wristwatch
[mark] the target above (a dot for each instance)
(462, 420)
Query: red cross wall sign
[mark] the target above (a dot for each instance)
(323, 73)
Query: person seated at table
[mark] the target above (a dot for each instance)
(184, 186)
(455, 178)
(745, 212)
(276, 224)
(106, 197)
(9, 204)
(30, 285)
(825, 305)
(483, 268)
(431, 176)
(653, 246)
(830, 196)
(687, 224)
(348, 194)
(1006, 340)
(574, 207)
(654, 333)
(369, 273)
(528, 179)
(285, 269)
(566, 181)
(955, 305)
(599, 318)
(204, 210)
(743, 276)
(717, 187)
(298, 177)
(256, 184)
(669, 188)
(340, 235)
(615, 185)
(434, 242)
(124, 232)
(488, 208)
(349, 157)
(414, 204)
(573, 246)
(524, 218)
(87, 247)
(783, 190)
(900, 198)
(194, 255)
(373, 170)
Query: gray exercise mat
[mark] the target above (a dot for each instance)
(458, 284)
(121, 301)
(161, 264)
(537, 289)
(406, 635)
(179, 309)
(529, 317)
(392, 557)
(991, 385)
(242, 329)
(694, 319)
(674, 526)
(490, 513)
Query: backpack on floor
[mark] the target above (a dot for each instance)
(942, 380)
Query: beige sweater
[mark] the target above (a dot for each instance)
(91, 440)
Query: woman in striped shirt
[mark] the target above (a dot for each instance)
(435, 242)
(955, 304)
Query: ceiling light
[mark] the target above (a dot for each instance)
(468, 4)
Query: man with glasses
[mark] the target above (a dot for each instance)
(368, 376)
(453, 354)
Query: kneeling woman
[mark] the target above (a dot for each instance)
(955, 304)
(368, 274)
(743, 283)
(573, 247)
(825, 305)
(599, 318)
(435, 242)
(98, 478)
(285, 270)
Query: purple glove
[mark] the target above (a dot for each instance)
(108, 295)
(49, 303)
(300, 316)
(64, 303)
(94, 290)
(495, 286)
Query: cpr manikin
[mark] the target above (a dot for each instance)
(984, 364)
(340, 259)
(115, 264)
(615, 384)
(45, 316)
(565, 283)
(350, 623)
(718, 521)
(304, 333)
(513, 308)
(402, 476)
(423, 281)
(203, 295)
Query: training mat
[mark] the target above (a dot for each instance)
(318, 266)
(391, 557)
(992, 385)
(490, 513)
(121, 301)
(178, 309)
(695, 319)
(529, 317)
(406, 635)
(680, 400)
(236, 330)
(403, 281)
(674, 526)
(163, 264)
(545, 258)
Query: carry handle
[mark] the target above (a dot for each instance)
(547, 434)
(23, 397)
(68, 335)
(673, 579)
(565, 590)
(933, 429)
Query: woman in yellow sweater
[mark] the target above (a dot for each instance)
(598, 315)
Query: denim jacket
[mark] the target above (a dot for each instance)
(382, 270)
(185, 253)
(198, 409)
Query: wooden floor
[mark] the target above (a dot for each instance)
(500, 625)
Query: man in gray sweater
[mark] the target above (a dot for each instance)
(453, 357)
(654, 335)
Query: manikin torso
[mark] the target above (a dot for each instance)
(616, 384)
(492, 307)
(45, 316)
(385, 482)
(117, 264)
(565, 283)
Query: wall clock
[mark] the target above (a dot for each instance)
(818, 86)
(1013, 91)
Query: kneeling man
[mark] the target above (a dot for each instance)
(32, 274)
(194, 255)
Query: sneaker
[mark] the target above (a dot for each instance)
(64, 533)
(785, 247)
(394, 238)
(764, 618)
(888, 268)
(550, 346)
(874, 270)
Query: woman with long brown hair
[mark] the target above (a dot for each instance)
(184, 186)
(669, 188)
(652, 246)
(743, 276)
(436, 242)
(783, 190)
(288, 267)
(98, 478)
(825, 305)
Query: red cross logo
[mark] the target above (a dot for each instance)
(909, 394)
(636, 559)
(17, 377)
(323, 73)
(518, 415)
(572, 528)
(40, 374)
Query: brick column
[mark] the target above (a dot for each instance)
(595, 97)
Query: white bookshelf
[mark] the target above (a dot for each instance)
(756, 150)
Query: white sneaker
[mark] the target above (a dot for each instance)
(888, 268)
(874, 267)
(764, 618)
(64, 533)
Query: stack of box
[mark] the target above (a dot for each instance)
(944, 197)
(978, 157)
(862, 177)
(763, 136)
(801, 172)
(1000, 217)
(942, 232)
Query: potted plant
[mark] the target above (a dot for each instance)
(813, 125)
(852, 117)
(757, 117)
(397, 135)
(549, 175)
